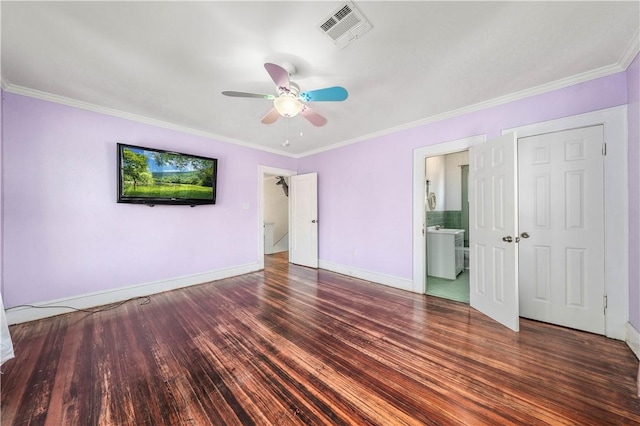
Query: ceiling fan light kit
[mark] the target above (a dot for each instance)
(290, 101)
(287, 105)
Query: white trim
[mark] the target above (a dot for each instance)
(87, 301)
(616, 205)
(375, 277)
(419, 155)
(544, 88)
(262, 171)
(630, 51)
(32, 93)
(633, 341)
(4, 83)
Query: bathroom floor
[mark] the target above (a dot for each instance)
(457, 289)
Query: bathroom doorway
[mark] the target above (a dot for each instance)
(616, 238)
(447, 226)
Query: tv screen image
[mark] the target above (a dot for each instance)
(153, 176)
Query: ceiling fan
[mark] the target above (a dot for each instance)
(289, 101)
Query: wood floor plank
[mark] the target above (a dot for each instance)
(298, 346)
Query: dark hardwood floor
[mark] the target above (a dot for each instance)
(293, 345)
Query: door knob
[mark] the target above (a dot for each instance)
(507, 239)
(524, 235)
(314, 221)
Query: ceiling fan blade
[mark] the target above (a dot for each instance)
(271, 116)
(335, 93)
(279, 75)
(314, 118)
(246, 95)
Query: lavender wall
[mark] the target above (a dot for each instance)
(365, 189)
(64, 233)
(633, 100)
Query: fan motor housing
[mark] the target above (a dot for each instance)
(294, 90)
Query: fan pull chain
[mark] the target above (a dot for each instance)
(286, 142)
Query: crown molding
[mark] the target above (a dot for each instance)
(625, 60)
(538, 90)
(4, 83)
(630, 52)
(45, 96)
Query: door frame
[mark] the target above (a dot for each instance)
(419, 238)
(262, 172)
(616, 226)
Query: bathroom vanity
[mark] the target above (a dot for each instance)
(445, 252)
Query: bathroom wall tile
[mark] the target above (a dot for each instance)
(435, 218)
(453, 219)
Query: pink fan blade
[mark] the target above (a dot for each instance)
(279, 75)
(313, 117)
(271, 117)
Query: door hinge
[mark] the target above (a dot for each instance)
(605, 304)
(604, 149)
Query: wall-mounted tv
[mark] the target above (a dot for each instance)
(154, 176)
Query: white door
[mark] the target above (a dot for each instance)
(303, 217)
(492, 231)
(562, 213)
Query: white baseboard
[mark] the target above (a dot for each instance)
(388, 280)
(633, 340)
(90, 300)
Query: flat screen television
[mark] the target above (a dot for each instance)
(154, 176)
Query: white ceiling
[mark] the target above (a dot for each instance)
(168, 62)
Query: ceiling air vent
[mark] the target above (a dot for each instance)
(345, 25)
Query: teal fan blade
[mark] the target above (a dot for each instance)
(335, 93)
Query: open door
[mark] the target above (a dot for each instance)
(303, 220)
(493, 230)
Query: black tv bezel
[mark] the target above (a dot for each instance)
(160, 200)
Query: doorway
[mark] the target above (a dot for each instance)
(276, 213)
(419, 202)
(560, 252)
(271, 203)
(447, 226)
(615, 199)
(303, 215)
